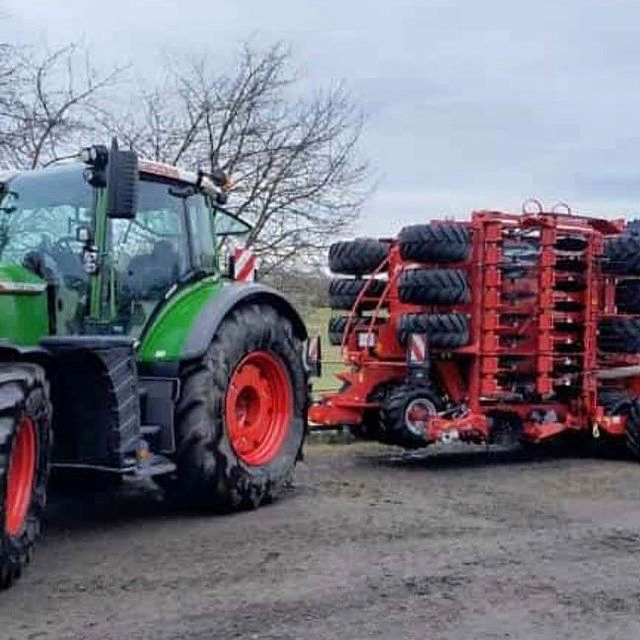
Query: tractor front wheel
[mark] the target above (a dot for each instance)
(25, 423)
(240, 419)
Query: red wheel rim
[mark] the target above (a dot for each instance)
(258, 407)
(20, 477)
(418, 414)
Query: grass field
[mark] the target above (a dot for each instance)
(317, 321)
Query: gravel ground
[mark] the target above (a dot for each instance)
(370, 544)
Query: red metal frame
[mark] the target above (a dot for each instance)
(516, 328)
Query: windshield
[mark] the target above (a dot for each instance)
(39, 214)
(172, 237)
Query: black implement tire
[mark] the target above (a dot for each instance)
(624, 403)
(619, 335)
(337, 325)
(445, 330)
(370, 427)
(633, 427)
(433, 286)
(343, 293)
(210, 471)
(622, 255)
(628, 296)
(357, 257)
(435, 242)
(395, 407)
(614, 401)
(25, 441)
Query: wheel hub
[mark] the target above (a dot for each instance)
(258, 407)
(20, 477)
(417, 415)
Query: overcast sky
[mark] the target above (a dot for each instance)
(474, 104)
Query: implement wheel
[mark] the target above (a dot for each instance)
(405, 414)
(240, 418)
(25, 419)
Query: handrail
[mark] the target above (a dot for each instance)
(360, 297)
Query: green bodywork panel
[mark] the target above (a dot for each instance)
(23, 306)
(168, 332)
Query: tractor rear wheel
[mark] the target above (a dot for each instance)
(240, 419)
(25, 441)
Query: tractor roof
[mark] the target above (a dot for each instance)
(149, 168)
(160, 169)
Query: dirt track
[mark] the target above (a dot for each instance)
(369, 545)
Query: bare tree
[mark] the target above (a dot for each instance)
(293, 159)
(49, 104)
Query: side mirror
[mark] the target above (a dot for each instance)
(122, 183)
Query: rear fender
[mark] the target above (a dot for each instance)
(231, 296)
(183, 329)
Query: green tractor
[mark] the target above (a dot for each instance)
(125, 348)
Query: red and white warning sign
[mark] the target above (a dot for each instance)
(245, 265)
(417, 348)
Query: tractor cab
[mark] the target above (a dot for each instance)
(108, 274)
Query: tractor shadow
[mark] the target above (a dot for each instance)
(86, 502)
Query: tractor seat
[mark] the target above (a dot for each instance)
(149, 276)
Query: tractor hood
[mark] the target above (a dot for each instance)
(23, 306)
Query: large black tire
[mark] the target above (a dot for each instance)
(393, 414)
(357, 257)
(343, 293)
(619, 335)
(624, 403)
(622, 255)
(370, 426)
(25, 417)
(628, 296)
(435, 242)
(615, 402)
(337, 325)
(633, 427)
(433, 286)
(444, 330)
(210, 473)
